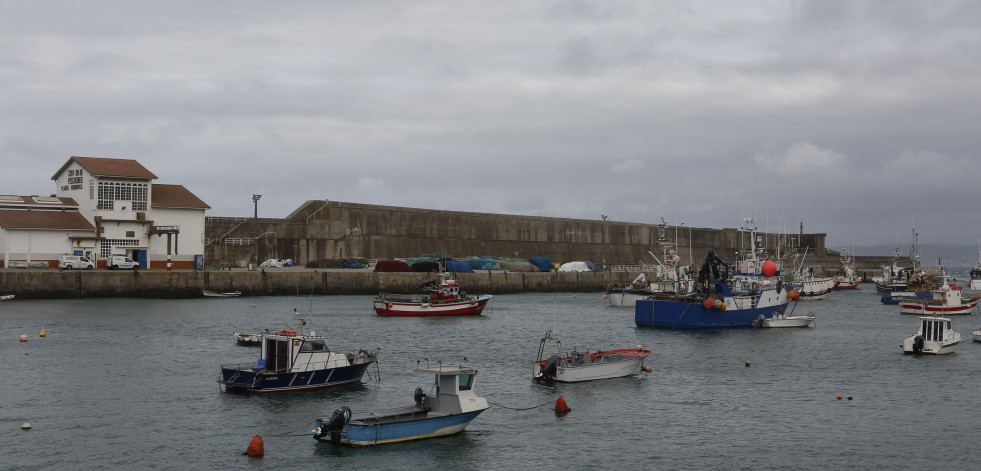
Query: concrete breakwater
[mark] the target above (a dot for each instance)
(35, 284)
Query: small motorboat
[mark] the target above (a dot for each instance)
(442, 297)
(248, 339)
(6, 297)
(780, 320)
(290, 360)
(221, 294)
(583, 365)
(976, 335)
(934, 336)
(449, 411)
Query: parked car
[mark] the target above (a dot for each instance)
(116, 262)
(73, 262)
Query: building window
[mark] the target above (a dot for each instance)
(91, 189)
(135, 193)
(109, 244)
(130, 233)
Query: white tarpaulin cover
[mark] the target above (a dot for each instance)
(574, 266)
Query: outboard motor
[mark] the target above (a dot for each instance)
(338, 419)
(551, 367)
(918, 344)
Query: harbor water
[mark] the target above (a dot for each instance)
(131, 383)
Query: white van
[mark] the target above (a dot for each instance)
(116, 262)
(70, 262)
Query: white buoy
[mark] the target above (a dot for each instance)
(26, 426)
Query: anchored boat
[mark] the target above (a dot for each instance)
(934, 336)
(946, 300)
(449, 411)
(441, 297)
(247, 339)
(220, 294)
(583, 365)
(714, 305)
(293, 361)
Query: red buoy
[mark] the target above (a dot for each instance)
(709, 303)
(647, 368)
(560, 406)
(255, 447)
(769, 268)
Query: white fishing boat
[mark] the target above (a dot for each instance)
(780, 320)
(669, 276)
(248, 339)
(947, 300)
(976, 335)
(453, 406)
(934, 336)
(846, 277)
(583, 365)
(975, 283)
(6, 297)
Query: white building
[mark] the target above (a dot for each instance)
(122, 213)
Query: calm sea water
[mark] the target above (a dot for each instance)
(130, 383)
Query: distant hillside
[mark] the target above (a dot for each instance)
(950, 255)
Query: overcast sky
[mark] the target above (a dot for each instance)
(859, 118)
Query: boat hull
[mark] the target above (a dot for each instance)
(843, 285)
(694, 315)
(932, 347)
(625, 297)
(241, 380)
(598, 369)
(788, 321)
(395, 308)
(371, 434)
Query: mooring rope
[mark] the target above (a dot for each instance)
(519, 408)
(291, 432)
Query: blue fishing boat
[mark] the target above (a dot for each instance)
(449, 411)
(293, 361)
(713, 305)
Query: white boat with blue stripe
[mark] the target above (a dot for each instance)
(453, 406)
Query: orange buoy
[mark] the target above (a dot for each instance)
(709, 303)
(255, 447)
(560, 406)
(839, 397)
(573, 296)
(647, 368)
(605, 296)
(793, 295)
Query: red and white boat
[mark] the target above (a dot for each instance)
(583, 365)
(441, 297)
(947, 300)
(846, 277)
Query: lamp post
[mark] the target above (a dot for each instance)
(255, 227)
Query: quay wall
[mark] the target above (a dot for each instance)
(35, 284)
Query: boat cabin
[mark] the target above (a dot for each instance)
(932, 328)
(454, 390)
(288, 352)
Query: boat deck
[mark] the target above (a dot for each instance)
(390, 416)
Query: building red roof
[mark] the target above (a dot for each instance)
(174, 196)
(37, 219)
(109, 167)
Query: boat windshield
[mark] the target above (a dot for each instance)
(313, 346)
(466, 382)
